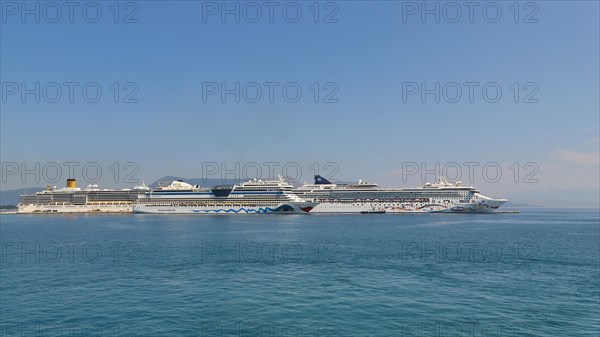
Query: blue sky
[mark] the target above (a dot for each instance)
(373, 53)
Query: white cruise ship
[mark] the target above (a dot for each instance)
(72, 199)
(251, 197)
(364, 197)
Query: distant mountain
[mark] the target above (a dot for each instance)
(11, 197)
(519, 204)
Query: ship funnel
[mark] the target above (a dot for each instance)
(321, 181)
(71, 183)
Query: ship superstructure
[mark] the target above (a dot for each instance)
(252, 197)
(72, 199)
(363, 197)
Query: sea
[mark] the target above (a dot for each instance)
(535, 273)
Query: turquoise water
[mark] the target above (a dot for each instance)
(529, 274)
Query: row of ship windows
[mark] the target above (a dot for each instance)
(382, 196)
(246, 198)
(394, 193)
(237, 204)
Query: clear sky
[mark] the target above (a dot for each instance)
(372, 61)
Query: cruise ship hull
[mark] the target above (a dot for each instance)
(368, 198)
(251, 197)
(390, 207)
(70, 208)
(76, 200)
(287, 208)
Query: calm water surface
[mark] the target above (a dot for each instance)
(529, 274)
